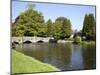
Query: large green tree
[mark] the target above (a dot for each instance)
(62, 28)
(28, 22)
(89, 27)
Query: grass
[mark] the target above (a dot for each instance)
(25, 64)
(88, 42)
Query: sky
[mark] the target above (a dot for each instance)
(51, 11)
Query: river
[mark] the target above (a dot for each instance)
(65, 56)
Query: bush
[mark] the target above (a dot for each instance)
(77, 39)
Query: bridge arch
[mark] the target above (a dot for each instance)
(40, 41)
(27, 41)
(15, 42)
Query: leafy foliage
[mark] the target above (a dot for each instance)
(31, 23)
(57, 29)
(89, 27)
(49, 27)
(66, 29)
(62, 28)
(28, 23)
(77, 39)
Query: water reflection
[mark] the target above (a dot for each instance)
(63, 56)
(76, 57)
(89, 56)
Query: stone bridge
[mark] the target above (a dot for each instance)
(20, 40)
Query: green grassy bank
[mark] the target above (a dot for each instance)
(25, 64)
(88, 42)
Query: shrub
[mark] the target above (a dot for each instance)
(77, 39)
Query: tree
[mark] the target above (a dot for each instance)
(49, 27)
(62, 28)
(61, 18)
(30, 6)
(66, 29)
(89, 27)
(28, 22)
(42, 29)
(57, 29)
(31, 23)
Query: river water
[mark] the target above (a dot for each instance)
(66, 56)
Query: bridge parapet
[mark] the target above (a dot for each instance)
(17, 39)
(31, 39)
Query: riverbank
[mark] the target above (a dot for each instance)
(82, 42)
(25, 64)
(88, 42)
